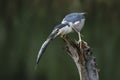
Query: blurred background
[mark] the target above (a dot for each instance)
(25, 24)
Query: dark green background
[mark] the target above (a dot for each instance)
(25, 24)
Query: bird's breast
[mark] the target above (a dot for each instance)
(65, 30)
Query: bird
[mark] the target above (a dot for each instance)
(70, 23)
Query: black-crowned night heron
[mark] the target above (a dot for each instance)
(71, 22)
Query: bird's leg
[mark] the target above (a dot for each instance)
(79, 41)
(79, 37)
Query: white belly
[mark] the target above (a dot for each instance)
(66, 30)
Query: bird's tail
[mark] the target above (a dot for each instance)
(45, 44)
(42, 49)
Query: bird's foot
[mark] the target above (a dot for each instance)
(80, 44)
(63, 37)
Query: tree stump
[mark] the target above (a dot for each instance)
(82, 55)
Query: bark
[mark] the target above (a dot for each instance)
(82, 55)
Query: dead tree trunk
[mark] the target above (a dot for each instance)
(83, 58)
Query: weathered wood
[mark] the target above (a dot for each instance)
(83, 58)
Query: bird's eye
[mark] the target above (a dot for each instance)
(57, 30)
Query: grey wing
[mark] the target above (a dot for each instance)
(78, 25)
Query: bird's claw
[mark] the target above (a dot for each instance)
(80, 44)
